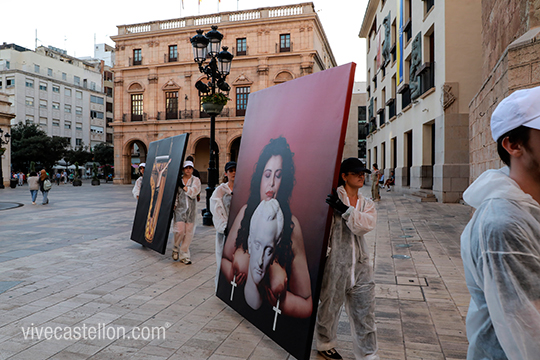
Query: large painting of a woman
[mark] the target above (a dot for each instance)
(291, 147)
(288, 276)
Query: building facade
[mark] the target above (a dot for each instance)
(103, 60)
(511, 61)
(6, 114)
(154, 77)
(422, 75)
(63, 94)
(355, 137)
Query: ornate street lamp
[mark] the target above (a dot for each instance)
(216, 71)
(4, 139)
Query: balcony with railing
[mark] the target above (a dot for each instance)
(427, 77)
(391, 103)
(220, 18)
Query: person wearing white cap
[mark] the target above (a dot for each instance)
(137, 188)
(184, 214)
(500, 246)
(348, 275)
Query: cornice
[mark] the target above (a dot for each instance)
(371, 11)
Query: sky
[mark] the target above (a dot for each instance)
(75, 25)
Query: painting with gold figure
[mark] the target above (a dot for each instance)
(158, 191)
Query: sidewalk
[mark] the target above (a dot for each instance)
(71, 263)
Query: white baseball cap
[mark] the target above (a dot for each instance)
(142, 165)
(188, 163)
(522, 107)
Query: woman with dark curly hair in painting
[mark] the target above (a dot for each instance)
(286, 278)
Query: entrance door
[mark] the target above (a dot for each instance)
(409, 138)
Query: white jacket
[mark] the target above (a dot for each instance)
(137, 188)
(219, 207)
(500, 248)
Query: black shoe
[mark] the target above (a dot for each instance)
(331, 354)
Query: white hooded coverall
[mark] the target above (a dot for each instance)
(184, 215)
(220, 204)
(500, 248)
(137, 187)
(348, 278)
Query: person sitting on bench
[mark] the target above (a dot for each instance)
(390, 180)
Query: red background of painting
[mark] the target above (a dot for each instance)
(311, 113)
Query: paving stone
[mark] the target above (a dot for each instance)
(87, 271)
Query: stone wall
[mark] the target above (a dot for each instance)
(518, 68)
(503, 21)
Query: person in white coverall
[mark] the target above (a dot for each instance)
(348, 275)
(184, 214)
(137, 188)
(500, 246)
(220, 204)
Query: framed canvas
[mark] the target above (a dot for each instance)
(273, 258)
(158, 192)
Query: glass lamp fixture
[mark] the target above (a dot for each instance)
(200, 47)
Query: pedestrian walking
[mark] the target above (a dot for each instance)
(375, 176)
(220, 204)
(500, 246)
(184, 214)
(348, 275)
(33, 184)
(44, 186)
(20, 177)
(137, 187)
(65, 176)
(57, 176)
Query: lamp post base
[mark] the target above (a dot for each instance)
(207, 218)
(207, 215)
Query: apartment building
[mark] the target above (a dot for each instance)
(63, 94)
(424, 61)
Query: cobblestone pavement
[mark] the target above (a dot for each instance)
(71, 263)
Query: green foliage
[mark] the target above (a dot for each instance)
(30, 143)
(103, 154)
(217, 98)
(95, 171)
(79, 155)
(76, 175)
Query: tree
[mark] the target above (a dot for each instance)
(104, 154)
(30, 143)
(79, 155)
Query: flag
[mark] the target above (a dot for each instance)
(399, 47)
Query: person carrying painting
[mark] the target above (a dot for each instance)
(348, 275)
(184, 214)
(220, 204)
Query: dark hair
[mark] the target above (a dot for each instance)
(189, 158)
(376, 166)
(33, 173)
(519, 135)
(279, 146)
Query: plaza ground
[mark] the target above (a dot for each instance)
(71, 263)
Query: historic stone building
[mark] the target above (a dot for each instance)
(423, 66)
(155, 76)
(6, 114)
(510, 61)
